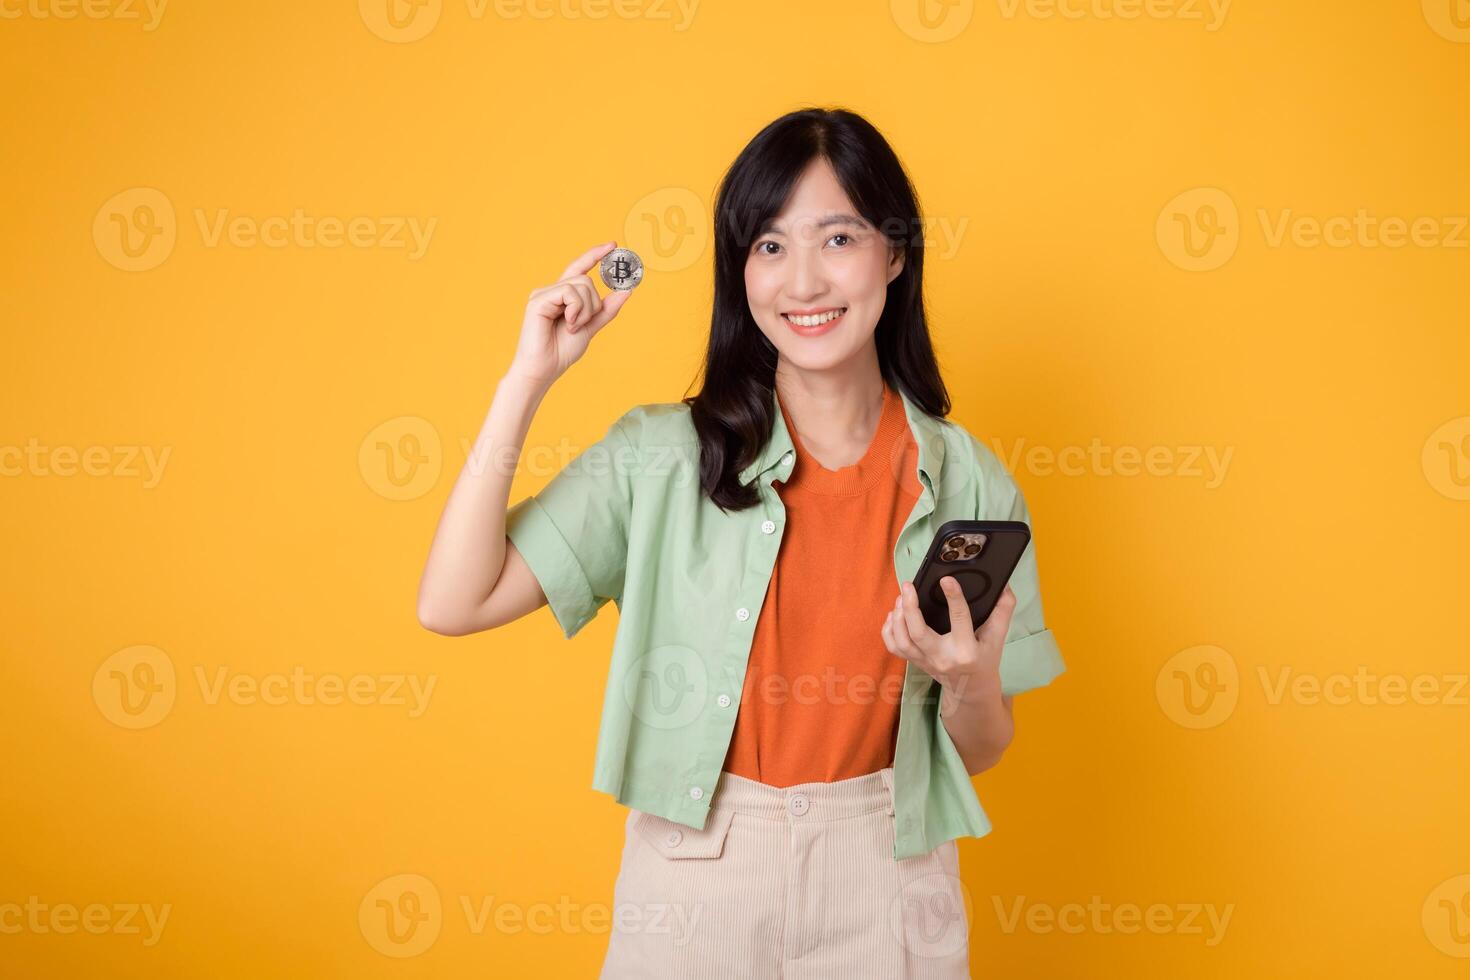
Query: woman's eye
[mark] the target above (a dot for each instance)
(761, 247)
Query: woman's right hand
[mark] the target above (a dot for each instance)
(561, 319)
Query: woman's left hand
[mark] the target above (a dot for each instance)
(959, 658)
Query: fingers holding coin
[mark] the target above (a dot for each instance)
(582, 308)
(621, 270)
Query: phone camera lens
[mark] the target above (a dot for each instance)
(957, 541)
(948, 555)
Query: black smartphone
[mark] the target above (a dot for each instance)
(981, 555)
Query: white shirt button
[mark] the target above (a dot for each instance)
(768, 527)
(798, 804)
(787, 458)
(674, 838)
(742, 614)
(696, 792)
(724, 700)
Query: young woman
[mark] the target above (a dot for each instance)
(794, 743)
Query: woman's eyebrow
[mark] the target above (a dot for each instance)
(771, 225)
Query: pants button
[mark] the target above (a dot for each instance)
(798, 804)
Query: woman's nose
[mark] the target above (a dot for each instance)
(807, 277)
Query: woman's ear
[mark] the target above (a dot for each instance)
(895, 262)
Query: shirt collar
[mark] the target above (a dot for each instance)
(924, 427)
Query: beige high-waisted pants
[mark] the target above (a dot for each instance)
(795, 883)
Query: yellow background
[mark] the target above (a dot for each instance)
(279, 538)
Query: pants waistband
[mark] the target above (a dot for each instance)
(810, 801)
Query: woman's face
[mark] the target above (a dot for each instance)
(818, 258)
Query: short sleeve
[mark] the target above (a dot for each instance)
(574, 533)
(1030, 657)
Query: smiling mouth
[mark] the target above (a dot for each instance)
(814, 320)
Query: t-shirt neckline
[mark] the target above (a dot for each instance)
(877, 461)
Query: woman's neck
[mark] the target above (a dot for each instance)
(836, 415)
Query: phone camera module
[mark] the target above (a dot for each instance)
(962, 547)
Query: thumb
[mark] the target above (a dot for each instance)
(959, 609)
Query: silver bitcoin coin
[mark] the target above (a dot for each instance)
(621, 269)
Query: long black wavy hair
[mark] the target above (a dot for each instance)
(732, 412)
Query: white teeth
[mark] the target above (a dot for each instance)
(812, 321)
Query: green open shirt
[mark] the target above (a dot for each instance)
(627, 521)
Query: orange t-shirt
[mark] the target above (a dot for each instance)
(822, 692)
